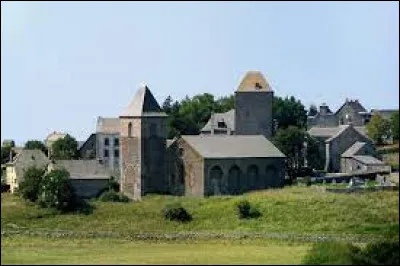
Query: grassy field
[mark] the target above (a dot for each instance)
(38, 250)
(292, 209)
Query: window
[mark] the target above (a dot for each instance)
(116, 153)
(106, 153)
(221, 124)
(258, 86)
(130, 129)
(116, 142)
(106, 142)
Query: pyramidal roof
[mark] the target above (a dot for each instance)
(143, 104)
(253, 81)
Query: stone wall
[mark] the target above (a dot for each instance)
(88, 188)
(353, 117)
(340, 144)
(243, 174)
(253, 113)
(112, 162)
(322, 121)
(130, 183)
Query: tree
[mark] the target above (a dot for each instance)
(379, 129)
(65, 148)
(56, 191)
(313, 110)
(290, 141)
(289, 112)
(5, 154)
(315, 156)
(30, 185)
(36, 145)
(395, 125)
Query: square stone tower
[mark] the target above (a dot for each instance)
(253, 106)
(142, 143)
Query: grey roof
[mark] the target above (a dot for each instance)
(362, 130)
(323, 131)
(143, 102)
(385, 113)
(353, 149)
(108, 125)
(355, 105)
(227, 117)
(365, 159)
(84, 169)
(232, 146)
(80, 143)
(30, 156)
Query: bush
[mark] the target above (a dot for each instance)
(325, 253)
(384, 252)
(246, 210)
(112, 196)
(176, 212)
(30, 185)
(56, 191)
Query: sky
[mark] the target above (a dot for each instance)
(63, 64)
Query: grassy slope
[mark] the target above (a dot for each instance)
(35, 250)
(292, 209)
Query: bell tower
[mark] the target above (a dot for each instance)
(142, 143)
(253, 106)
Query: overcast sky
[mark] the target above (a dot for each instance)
(65, 63)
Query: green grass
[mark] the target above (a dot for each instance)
(38, 250)
(292, 209)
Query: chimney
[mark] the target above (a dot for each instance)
(323, 109)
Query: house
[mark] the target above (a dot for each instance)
(230, 164)
(22, 161)
(51, 138)
(358, 159)
(335, 141)
(88, 177)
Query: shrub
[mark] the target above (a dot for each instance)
(30, 185)
(325, 253)
(112, 196)
(384, 252)
(176, 212)
(246, 210)
(57, 192)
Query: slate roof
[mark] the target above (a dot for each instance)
(227, 117)
(368, 160)
(333, 132)
(31, 156)
(355, 105)
(385, 113)
(353, 149)
(84, 169)
(143, 104)
(248, 82)
(108, 125)
(233, 146)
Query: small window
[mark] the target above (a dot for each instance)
(116, 142)
(106, 153)
(258, 86)
(130, 129)
(116, 153)
(221, 124)
(106, 142)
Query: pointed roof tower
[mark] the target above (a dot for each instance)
(253, 81)
(143, 104)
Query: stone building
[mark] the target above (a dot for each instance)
(358, 159)
(22, 161)
(51, 138)
(253, 110)
(88, 177)
(231, 156)
(335, 141)
(104, 144)
(219, 165)
(143, 135)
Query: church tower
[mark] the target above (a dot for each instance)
(253, 106)
(142, 143)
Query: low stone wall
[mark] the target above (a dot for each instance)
(361, 189)
(88, 188)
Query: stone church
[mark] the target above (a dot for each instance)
(238, 160)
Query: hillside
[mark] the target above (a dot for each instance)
(298, 210)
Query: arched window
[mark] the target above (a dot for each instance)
(235, 185)
(252, 176)
(216, 175)
(130, 129)
(272, 177)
